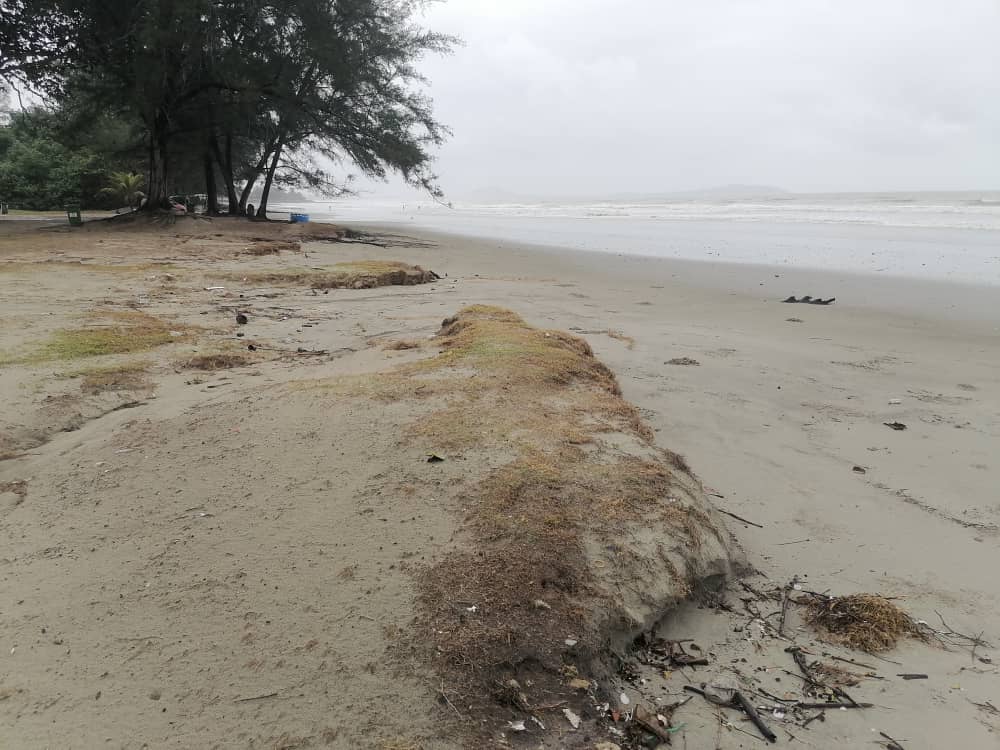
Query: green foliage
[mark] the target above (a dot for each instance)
(36, 171)
(126, 187)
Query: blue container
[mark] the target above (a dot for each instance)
(298, 218)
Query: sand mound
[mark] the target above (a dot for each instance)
(585, 538)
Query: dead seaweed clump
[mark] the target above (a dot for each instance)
(867, 622)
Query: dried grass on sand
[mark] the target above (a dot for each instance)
(867, 622)
(216, 361)
(362, 274)
(584, 476)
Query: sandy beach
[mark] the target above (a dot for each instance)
(191, 561)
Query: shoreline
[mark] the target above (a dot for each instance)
(903, 296)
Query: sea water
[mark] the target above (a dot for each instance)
(942, 236)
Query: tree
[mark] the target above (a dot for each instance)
(247, 90)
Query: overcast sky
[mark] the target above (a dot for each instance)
(563, 97)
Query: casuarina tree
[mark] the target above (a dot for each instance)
(255, 92)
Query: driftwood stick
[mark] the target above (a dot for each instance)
(739, 518)
(851, 661)
(892, 744)
(741, 700)
(784, 606)
(835, 705)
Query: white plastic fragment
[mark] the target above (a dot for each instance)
(516, 726)
(572, 718)
(624, 699)
(570, 642)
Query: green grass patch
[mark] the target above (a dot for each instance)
(113, 333)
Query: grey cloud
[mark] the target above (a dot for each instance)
(586, 97)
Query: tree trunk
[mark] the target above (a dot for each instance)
(262, 208)
(213, 198)
(252, 180)
(227, 171)
(157, 196)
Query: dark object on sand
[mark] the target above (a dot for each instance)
(895, 425)
(807, 300)
(682, 361)
(433, 458)
(739, 701)
(242, 319)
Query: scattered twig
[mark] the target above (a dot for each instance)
(987, 707)
(850, 661)
(797, 541)
(773, 697)
(893, 744)
(549, 706)
(447, 700)
(747, 587)
(834, 705)
(739, 518)
(912, 676)
(821, 716)
(953, 637)
(256, 697)
(784, 605)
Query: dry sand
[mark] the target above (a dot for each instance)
(231, 537)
